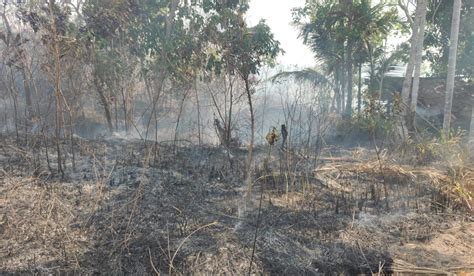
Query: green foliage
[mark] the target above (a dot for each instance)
(259, 46)
(149, 32)
(326, 25)
(372, 26)
(241, 49)
(342, 34)
(322, 32)
(375, 118)
(182, 39)
(374, 121)
(438, 33)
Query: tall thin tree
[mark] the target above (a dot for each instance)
(471, 130)
(418, 61)
(448, 104)
(407, 83)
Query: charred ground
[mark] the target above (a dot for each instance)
(181, 210)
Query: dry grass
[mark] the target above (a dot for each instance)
(400, 266)
(455, 183)
(43, 226)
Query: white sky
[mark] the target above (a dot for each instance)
(277, 14)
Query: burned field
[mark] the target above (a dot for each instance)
(128, 207)
(241, 137)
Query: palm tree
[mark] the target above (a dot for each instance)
(341, 33)
(323, 35)
(451, 66)
(382, 60)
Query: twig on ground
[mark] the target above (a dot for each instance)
(151, 262)
(184, 240)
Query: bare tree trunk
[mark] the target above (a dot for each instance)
(350, 75)
(451, 66)
(349, 62)
(343, 89)
(153, 115)
(115, 113)
(372, 69)
(125, 109)
(337, 92)
(382, 74)
(71, 126)
(57, 86)
(46, 149)
(251, 143)
(228, 128)
(104, 101)
(333, 102)
(26, 85)
(407, 83)
(471, 130)
(181, 107)
(198, 112)
(264, 107)
(15, 109)
(418, 62)
(359, 90)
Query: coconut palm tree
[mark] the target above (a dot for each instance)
(341, 33)
(323, 34)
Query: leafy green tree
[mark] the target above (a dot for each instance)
(253, 48)
(374, 24)
(438, 39)
(166, 37)
(241, 50)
